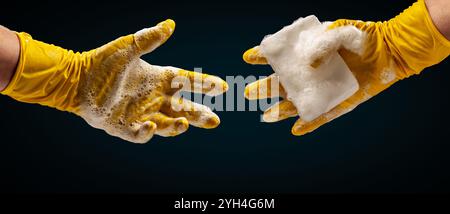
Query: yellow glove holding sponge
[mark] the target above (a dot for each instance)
(392, 50)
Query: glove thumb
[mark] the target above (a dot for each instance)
(149, 39)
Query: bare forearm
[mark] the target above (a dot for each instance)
(440, 13)
(9, 55)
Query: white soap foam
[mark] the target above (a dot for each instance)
(128, 90)
(135, 80)
(291, 52)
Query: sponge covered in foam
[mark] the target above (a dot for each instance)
(292, 52)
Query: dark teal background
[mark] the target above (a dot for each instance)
(395, 142)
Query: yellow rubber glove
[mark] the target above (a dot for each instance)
(392, 50)
(112, 88)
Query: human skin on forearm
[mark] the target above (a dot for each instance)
(439, 11)
(9, 55)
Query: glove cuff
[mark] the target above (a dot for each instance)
(46, 74)
(414, 41)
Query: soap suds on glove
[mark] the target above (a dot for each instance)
(294, 49)
(107, 107)
(110, 106)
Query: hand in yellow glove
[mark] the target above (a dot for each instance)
(112, 88)
(392, 50)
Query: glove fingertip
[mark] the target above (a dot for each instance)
(270, 117)
(247, 56)
(212, 122)
(149, 39)
(168, 24)
(167, 27)
(298, 131)
(254, 57)
(145, 132)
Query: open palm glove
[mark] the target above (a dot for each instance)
(112, 88)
